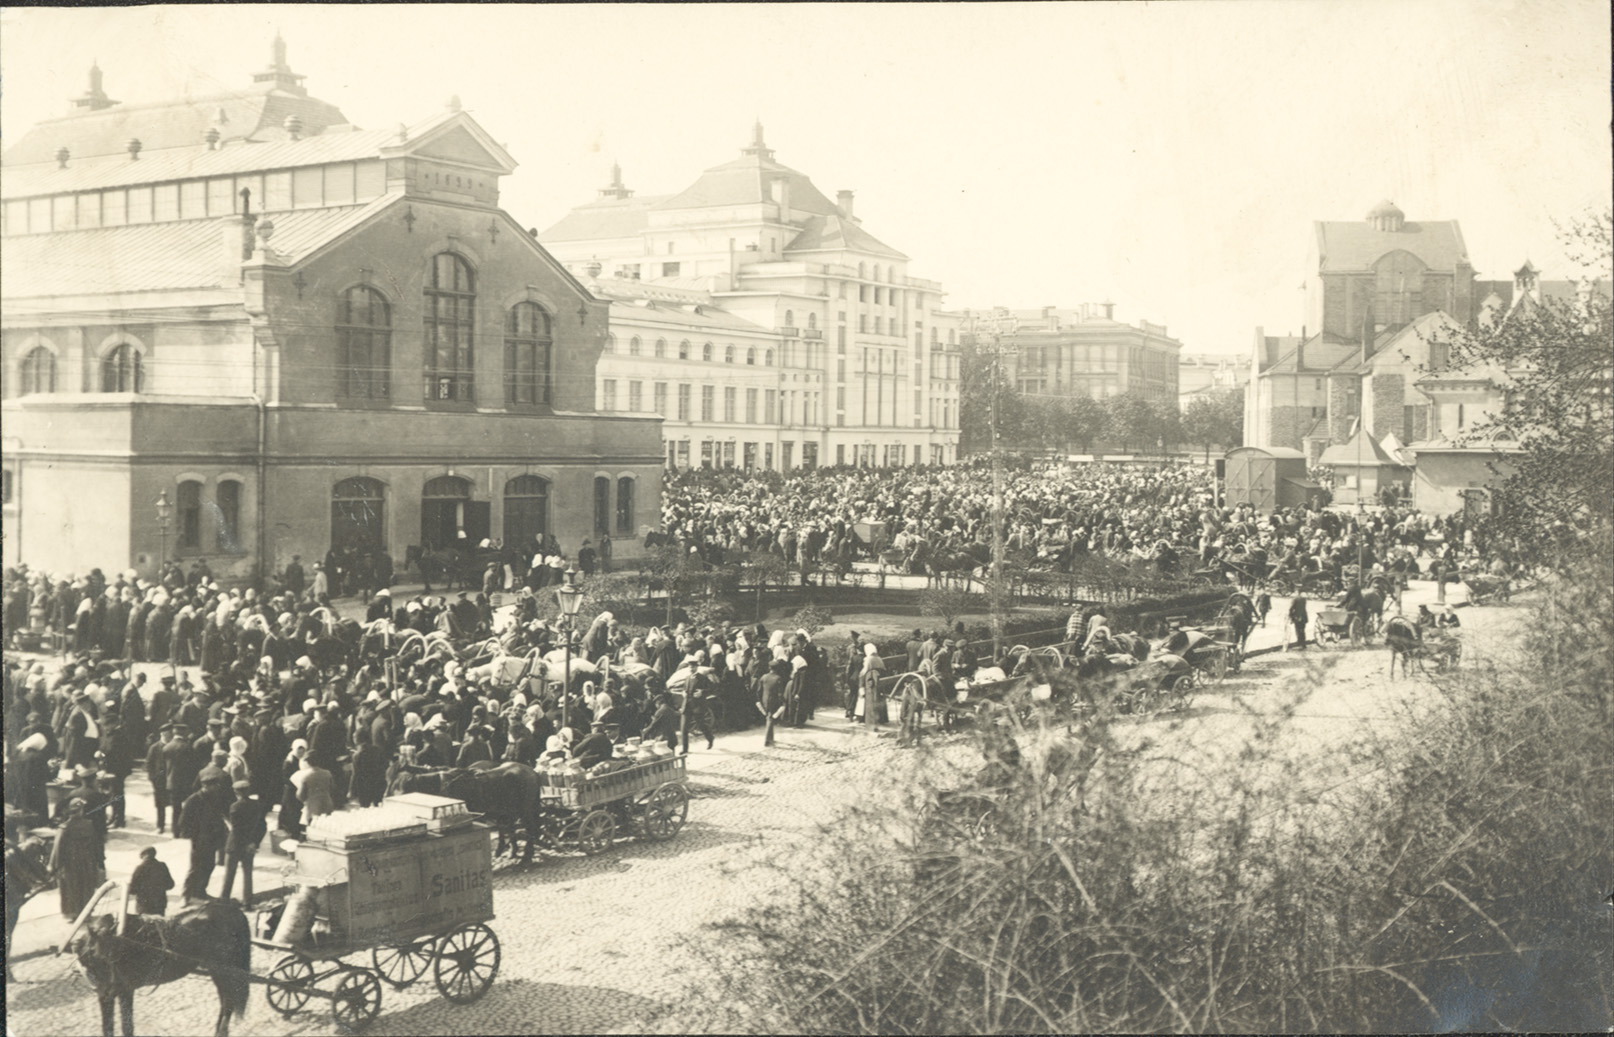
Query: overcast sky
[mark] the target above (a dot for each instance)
(1167, 157)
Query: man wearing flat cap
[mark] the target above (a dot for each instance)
(247, 829)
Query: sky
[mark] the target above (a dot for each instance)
(1167, 157)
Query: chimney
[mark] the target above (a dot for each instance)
(294, 127)
(1109, 310)
(779, 189)
(843, 202)
(134, 149)
(237, 245)
(62, 155)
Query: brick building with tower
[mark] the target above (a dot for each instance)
(301, 334)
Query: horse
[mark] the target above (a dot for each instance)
(506, 794)
(1406, 643)
(1239, 612)
(27, 873)
(1365, 604)
(212, 937)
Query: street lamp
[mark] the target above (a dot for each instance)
(570, 596)
(165, 511)
(997, 326)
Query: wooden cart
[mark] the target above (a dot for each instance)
(417, 902)
(647, 799)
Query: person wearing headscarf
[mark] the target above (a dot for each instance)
(290, 819)
(869, 685)
(77, 860)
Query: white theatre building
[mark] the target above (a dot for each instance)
(764, 324)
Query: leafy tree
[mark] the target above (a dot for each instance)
(1085, 420)
(760, 568)
(1167, 422)
(1215, 419)
(1130, 419)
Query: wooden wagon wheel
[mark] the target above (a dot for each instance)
(357, 999)
(289, 984)
(1218, 665)
(665, 812)
(596, 832)
(467, 962)
(1355, 630)
(404, 963)
(1178, 692)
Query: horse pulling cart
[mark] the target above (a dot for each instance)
(1337, 625)
(414, 898)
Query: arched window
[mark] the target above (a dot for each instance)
(526, 513)
(862, 271)
(450, 324)
(358, 514)
(624, 506)
(37, 372)
(188, 512)
(790, 318)
(728, 354)
(227, 501)
(751, 356)
(767, 359)
(120, 369)
(706, 352)
(812, 321)
(683, 350)
(633, 346)
(527, 350)
(446, 513)
(661, 347)
(877, 271)
(602, 504)
(363, 345)
(610, 344)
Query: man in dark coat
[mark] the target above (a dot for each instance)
(118, 756)
(182, 763)
(202, 822)
(132, 714)
(157, 773)
(771, 697)
(78, 860)
(150, 883)
(163, 703)
(294, 578)
(1298, 619)
(595, 748)
(247, 829)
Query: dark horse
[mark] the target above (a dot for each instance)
(212, 937)
(506, 794)
(1366, 605)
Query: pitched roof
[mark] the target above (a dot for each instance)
(1357, 246)
(834, 233)
(1386, 340)
(158, 256)
(1360, 450)
(1315, 355)
(605, 218)
(748, 181)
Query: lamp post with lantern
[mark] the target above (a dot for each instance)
(570, 597)
(165, 511)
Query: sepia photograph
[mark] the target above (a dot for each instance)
(770, 518)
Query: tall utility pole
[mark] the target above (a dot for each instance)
(996, 327)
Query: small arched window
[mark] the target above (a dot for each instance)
(812, 320)
(728, 354)
(633, 346)
(683, 350)
(363, 344)
(877, 271)
(862, 271)
(120, 369)
(661, 347)
(706, 352)
(610, 344)
(37, 372)
(751, 356)
(527, 349)
(790, 318)
(767, 359)
(526, 512)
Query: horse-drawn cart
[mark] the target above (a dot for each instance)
(416, 896)
(1336, 625)
(587, 812)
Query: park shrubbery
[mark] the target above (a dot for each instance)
(1456, 882)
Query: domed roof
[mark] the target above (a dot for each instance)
(1386, 208)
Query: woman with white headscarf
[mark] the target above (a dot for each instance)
(869, 685)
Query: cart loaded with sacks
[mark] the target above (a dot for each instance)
(407, 885)
(642, 792)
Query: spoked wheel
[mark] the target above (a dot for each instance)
(357, 1000)
(1218, 665)
(1357, 635)
(665, 812)
(402, 965)
(596, 832)
(467, 961)
(1176, 697)
(289, 984)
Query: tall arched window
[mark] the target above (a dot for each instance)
(706, 352)
(751, 356)
(37, 372)
(728, 354)
(661, 347)
(767, 359)
(526, 513)
(120, 369)
(602, 504)
(877, 271)
(790, 318)
(363, 345)
(624, 506)
(188, 512)
(683, 350)
(227, 504)
(450, 324)
(812, 321)
(358, 514)
(862, 271)
(527, 350)
(610, 344)
(633, 346)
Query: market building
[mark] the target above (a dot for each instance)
(298, 335)
(764, 323)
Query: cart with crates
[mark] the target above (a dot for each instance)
(646, 798)
(408, 884)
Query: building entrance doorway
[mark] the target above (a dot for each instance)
(447, 511)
